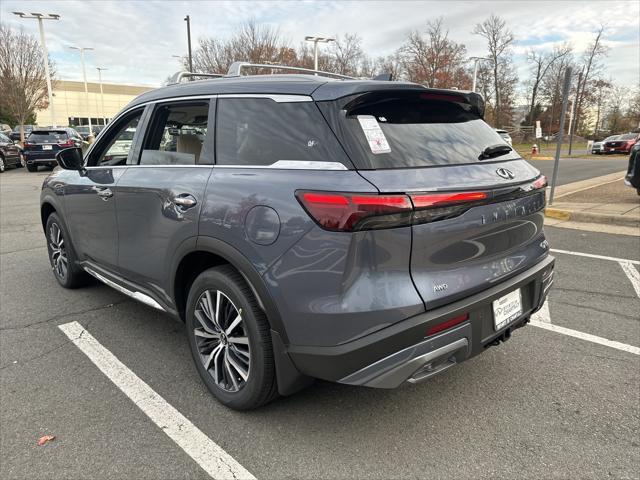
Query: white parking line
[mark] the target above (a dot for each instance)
(588, 337)
(632, 274)
(591, 255)
(206, 453)
(542, 315)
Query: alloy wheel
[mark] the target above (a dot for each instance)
(59, 257)
(222, 341)
(2, 167)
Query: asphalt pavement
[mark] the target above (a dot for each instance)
(542, 405)
(575, 169)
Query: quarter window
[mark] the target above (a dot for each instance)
(177, 134)
(261, 131)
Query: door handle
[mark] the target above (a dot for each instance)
(104, 193)
(184, 200)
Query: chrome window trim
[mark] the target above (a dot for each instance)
(276, 97)
(102, 167)
(293, 165)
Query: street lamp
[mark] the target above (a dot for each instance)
(315, 41)
(84, 76)
(188, 20)
(477, 60)
(100, 70)
(45, 54)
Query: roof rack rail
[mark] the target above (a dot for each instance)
(235, 70)
(179, 76)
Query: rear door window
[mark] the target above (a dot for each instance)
(261, 132)
(177, 134)
(407, 129)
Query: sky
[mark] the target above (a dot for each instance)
(135, 40)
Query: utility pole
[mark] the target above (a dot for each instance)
(100, 69)
(315, 41)
(575, 111)
(45, 56)
(188, 20)
(563, 112)
(476, 60)
(84, 76)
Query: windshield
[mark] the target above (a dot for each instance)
(409, 129)
(48, 137)
(4, 138)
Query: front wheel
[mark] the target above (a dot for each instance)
(62, 255)
(32, 167)
(229, 339)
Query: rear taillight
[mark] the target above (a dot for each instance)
(447, 324)
(440, 199)
(68, 143)
(344, 212)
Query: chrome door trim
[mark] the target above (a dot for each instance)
(276, 97)
(141, 297)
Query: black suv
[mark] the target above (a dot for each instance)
(364, 232)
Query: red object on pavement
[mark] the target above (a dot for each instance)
(534, 150)
(45, 439)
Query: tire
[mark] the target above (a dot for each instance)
(32, 167)
(230, 295)
(3, 167)
(62, 256)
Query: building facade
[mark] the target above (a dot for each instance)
(73, 107)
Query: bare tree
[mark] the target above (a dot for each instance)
(591, 67)
(392, 64)
(601, 92)
(22, 78)
(433, 58)
(347, 54)
(499, 39)
(540, 65)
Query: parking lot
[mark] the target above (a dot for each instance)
(558, 400)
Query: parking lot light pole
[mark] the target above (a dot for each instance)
(45, 55)
(476, 60)
(188, 20)
(315, 41)
(100, 70)
(84, 76)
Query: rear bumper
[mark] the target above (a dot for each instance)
(401, 353)
(48, 157)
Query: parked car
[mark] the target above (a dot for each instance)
(632, 178)
(597, 148)
(505, 136)
(5, 129)
(83, 130)
(621, 144)
(41, 146)
(15, 134)
(9, 153)
(364, 232)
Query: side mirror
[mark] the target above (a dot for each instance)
(70, 159)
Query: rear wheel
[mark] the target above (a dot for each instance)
(62, 256)
(32, 167)
(2, 164)
(229, 339)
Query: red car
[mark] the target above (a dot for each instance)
(622, 144)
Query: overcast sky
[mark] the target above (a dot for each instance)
(135, 40)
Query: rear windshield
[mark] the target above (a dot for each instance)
(409, 129)
(48, 137)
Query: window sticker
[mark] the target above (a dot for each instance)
(375, 136)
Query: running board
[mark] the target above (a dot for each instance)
(139, 296)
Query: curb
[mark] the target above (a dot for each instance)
(588, 217)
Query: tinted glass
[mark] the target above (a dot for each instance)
(261, 131)
(48, 137)
(400, 130)
(4, 138)
(114, 148)
(176, 134)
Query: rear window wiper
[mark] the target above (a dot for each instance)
(495, 151)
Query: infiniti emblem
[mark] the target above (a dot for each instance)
(506, 174)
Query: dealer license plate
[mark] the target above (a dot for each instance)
(506, 309)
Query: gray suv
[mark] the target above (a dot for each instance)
(365, 232)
